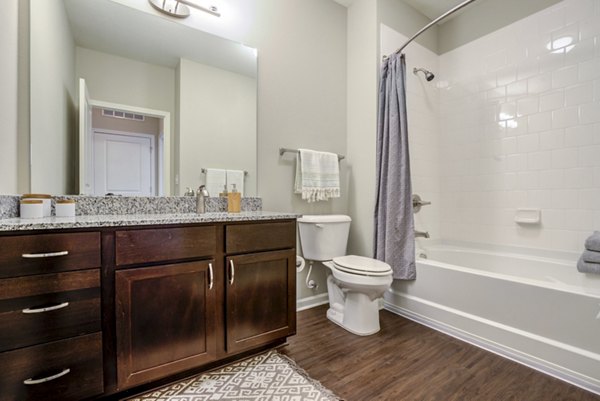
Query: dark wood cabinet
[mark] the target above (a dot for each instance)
(165, 320)
(260, 303)
(50, 317)
(90, 313)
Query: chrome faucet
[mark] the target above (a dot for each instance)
(201, 196)
(423, 234)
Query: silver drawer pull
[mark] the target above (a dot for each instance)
(231, 272)
(46, 309)
(44, 255)
(210, 276)
(30, 382)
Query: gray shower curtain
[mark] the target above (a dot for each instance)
(394, 225)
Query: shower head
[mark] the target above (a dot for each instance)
(428, 74)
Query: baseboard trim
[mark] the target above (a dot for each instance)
(541, 365)
(311, 302)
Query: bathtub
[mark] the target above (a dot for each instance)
(532, 307)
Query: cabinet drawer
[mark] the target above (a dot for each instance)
(164, 244)
(258, 237)
(72, 369)
(47, 253)
(31, 286)
(49, 307)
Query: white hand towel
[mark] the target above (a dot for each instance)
(317, 175)
(216, 179)
(235, 177)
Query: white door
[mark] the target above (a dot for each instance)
(123, 164)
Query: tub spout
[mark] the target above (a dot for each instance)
(423, 234)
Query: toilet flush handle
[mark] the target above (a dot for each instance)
(319, 225)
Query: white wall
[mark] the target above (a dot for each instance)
(217, 123)
(121, 80)
(52, 101)
(8, 97)
(522, 130)
(422, 100)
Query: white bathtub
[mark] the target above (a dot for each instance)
(532, 308)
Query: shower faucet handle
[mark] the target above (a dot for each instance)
(417, 203)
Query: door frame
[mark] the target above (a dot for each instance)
(164, 184)
(164, 181)
(153, 155)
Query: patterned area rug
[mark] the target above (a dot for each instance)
(266, 377)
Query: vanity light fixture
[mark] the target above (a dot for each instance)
(180, 9)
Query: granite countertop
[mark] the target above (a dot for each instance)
(94, 221)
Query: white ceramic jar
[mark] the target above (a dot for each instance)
(65, 208)
(32, 209)
(46, 202)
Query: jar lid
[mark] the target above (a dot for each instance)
(65, 201)
(36, 196)
(31, 202)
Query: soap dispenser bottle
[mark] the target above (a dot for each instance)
(234, 200)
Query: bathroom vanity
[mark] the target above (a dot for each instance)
(98, 305)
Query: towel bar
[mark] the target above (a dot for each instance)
(284, 150)
(203, 170)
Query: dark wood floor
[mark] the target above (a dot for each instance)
(407, 361)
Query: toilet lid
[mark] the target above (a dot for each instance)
(361, 265)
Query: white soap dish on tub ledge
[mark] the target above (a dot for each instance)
(528, 216)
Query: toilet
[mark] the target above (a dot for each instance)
(356, 282)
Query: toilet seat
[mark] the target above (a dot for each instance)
(362, 266)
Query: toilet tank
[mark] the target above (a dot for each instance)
(324, 237)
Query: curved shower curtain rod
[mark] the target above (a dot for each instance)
(432, 23)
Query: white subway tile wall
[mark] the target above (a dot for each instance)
(518, 126)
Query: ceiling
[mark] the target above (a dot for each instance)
(430, 8)
(433, 8)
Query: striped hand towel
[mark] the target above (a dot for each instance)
(317, 175)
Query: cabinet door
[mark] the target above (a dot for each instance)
(165, 320)
(261, 298)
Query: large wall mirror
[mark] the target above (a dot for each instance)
(126, 101)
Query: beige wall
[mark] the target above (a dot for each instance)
(8, 97)
(52, 101)
(301, 99)
(217, 123)
(362, 122)
(407, 21)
